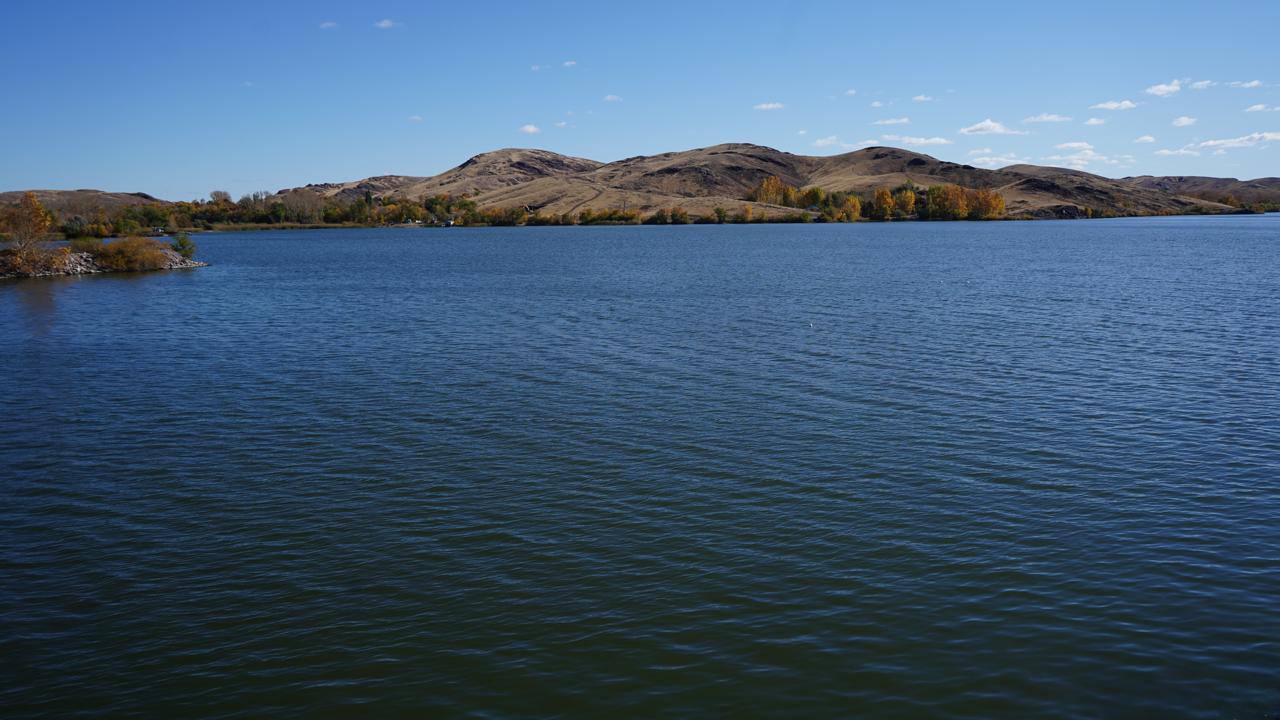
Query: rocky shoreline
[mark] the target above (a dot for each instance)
(82, 263)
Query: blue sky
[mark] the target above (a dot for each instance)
(178, 98)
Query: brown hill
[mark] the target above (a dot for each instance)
(701, 179)
(1248, 191)
(85, 203)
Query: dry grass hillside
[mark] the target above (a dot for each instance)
(720, 176)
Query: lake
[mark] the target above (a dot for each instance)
(963, 470)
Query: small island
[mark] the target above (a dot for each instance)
(26, 251)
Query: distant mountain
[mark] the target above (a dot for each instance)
(721, 176)
(701, 179)
(1248, 191)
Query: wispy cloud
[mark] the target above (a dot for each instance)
(1179, 151)
(1165, 89)
(912, 141)
(834, 141)
(1115, 105)
(1246, 84)
(614, 98)
(1202, 84)
(328, 25)
(1243, 141)
(877, 104)
(1084, 155)
(1047, 117)
(802, 132)
(998, 160)
(1145, 139)
(1095, 121)
(990, 127)
(385, 24)
(569, 63)
(921, 98)
(893, 121)
(530, 129)
(536, 68)
(769, 106)
(562, 124)
(415, 118)
(1184, 121)
(1262, 108)
(980, 151)
(850, 92)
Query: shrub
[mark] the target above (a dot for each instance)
(86, 244)
(183, 246)
(132, 253)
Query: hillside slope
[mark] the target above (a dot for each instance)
(721, 176)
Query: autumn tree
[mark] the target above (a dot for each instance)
(771, 190)
(850, 209)
(985, 204)
(882, 205)
(679, 216)
(904, 202)
(947, 202)
(218, 197)
(25, 227)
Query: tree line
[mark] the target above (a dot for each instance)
(906, 201)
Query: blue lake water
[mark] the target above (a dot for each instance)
(963, 470)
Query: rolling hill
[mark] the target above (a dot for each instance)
(701, 179)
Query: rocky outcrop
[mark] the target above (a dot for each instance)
(81, 263)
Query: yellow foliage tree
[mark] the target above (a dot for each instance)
(882, 205)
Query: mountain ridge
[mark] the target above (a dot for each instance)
(702, 179)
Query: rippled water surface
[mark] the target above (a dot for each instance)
(998, 470)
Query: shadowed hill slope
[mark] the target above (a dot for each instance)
(721, 176)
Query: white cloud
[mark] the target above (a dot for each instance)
(1145, 139)
(989, 127)
(530, 129)
(893, 121)
(535, 68)
(415, 118)
(1249, 84)
(980, 151)
(834, 141)
(850, 92)
(1115, 105)
(385, 24)
(916, 141)
(614, 98)
(1095, 121)
(1179, 151)
(998, 160)
(328, 25)
(1183, 121)
(921, 98)
(1165, 89)
(1262, 108)
(1047, 117)
(876, 104)
(802, 132)
(1243, 141)
(569, 63)
(769, 106)
(562, 124)
(1074, 146)
(1085, 156)
(1202, 84)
